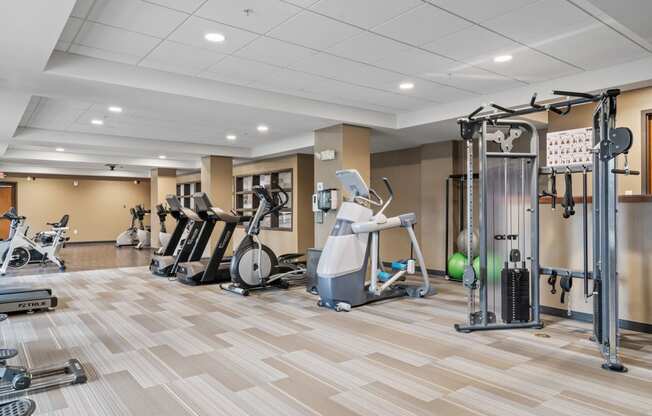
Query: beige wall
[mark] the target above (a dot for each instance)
(98, 208)
(302, 235)
(417, 176)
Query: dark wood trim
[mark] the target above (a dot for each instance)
(588, 317)
(622, 198)
(646, 151)
(14, 192)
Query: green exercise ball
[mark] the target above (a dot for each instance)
(456, 265)
(494, 267)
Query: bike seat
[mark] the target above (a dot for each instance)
(62, 223)
(7, 353)
(20, 407)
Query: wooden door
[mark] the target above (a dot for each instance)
(7, 195)
(649, 153)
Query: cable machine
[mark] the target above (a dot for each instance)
(504, 293)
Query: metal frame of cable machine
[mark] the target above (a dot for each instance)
(609, 142)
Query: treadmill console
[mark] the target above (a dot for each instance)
(173, 203)
(202, 203)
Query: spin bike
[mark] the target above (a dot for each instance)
(254, 266)
(19, 250)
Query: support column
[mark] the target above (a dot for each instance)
(162, 183)
(352, 151)
(217, 182)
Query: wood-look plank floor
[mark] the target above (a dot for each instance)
(156, 347)
(90, 256)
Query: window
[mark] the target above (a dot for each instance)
(246, 202)
(185, 192)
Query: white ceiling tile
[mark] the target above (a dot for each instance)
(364, 13)
(529, 66)
(137, 16)
(183, 59)
(239, 71)
(560, 17)
(635, 17)
(471, 44)
(417, 62)
(475, 79)
(421, 25)
(62, 46)
(346, 71)
(367, 47)
(81, 9)
(265, 14)
(593, 47)
(192, 32)
(187, 6)
(287, 79)
(478, 11)
(124, 58)
(431, 91)
(114, 40)
(302, 3)
(275, 52)
(70, 30)
(314, 31)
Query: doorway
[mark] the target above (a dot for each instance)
(648, 129)
(7, 200)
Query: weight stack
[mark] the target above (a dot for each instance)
(515, 291)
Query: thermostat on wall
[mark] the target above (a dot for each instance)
(324, 155)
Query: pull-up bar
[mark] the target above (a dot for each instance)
(561, 107)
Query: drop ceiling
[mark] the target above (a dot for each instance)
(348, 56)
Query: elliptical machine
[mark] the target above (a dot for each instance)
(342, 268)
(163, 235)
(143, 234)
(19, 250)
(254, 266)
(129, 237)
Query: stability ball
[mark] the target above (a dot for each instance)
(461, 242)
(456, 265)
(494, 267)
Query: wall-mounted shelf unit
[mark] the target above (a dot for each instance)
(185, 192)
(246, 202)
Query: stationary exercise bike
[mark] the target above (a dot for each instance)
(254, 266)
(129, 237)
(19, 250)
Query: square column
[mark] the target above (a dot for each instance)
(217, 182)
(352, 151)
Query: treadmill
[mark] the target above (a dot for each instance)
(216, 268)
(162, 264)
(26, 300)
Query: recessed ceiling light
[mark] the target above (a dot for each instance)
(97, 122)
(162, 157)
(214, 37)
(231, 136)
(115, 109)
(406, 85)
(502, 58)
(60, 149)
(262, 128)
